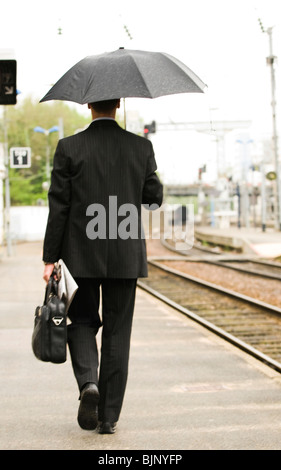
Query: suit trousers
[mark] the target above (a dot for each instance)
(118, 300)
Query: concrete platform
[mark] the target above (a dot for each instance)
(252, 241)
(187, 389)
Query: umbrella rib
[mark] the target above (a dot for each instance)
(140, 73)
(145, 86)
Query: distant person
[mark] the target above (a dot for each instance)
(100, 179)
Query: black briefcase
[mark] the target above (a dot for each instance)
(49, 337)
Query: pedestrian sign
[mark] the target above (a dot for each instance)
(20, 157)
(8, 82)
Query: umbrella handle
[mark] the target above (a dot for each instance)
(125, 124)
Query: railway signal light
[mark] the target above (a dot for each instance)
(149, 129)
(8, 82)
(201, 170)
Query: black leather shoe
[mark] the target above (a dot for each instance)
(107, 428)
(88, 408)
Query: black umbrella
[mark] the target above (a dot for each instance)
(124, 73)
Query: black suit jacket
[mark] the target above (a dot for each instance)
(100, 179)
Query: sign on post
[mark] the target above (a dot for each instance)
(271, 175)
(8, 82)
(20, 157)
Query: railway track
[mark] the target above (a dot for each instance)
(254, 267)
(249, 324)
(266, 269)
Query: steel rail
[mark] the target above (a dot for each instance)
(242, 345)
(224, 262)
(259, 303)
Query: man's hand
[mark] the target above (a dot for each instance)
(48, 271)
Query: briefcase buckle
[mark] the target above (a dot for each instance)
(57, 320)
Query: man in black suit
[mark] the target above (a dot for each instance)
(100, 179)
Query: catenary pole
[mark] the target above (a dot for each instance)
(271, 60)
(7, 189)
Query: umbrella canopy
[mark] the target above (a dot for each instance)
(124, 73)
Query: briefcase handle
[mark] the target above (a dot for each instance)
(51, 288)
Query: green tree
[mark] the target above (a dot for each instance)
(26, 185)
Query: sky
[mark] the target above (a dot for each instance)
(220, 40)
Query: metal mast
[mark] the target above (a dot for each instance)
(270, 60)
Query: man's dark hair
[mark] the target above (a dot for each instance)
(104, 106)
